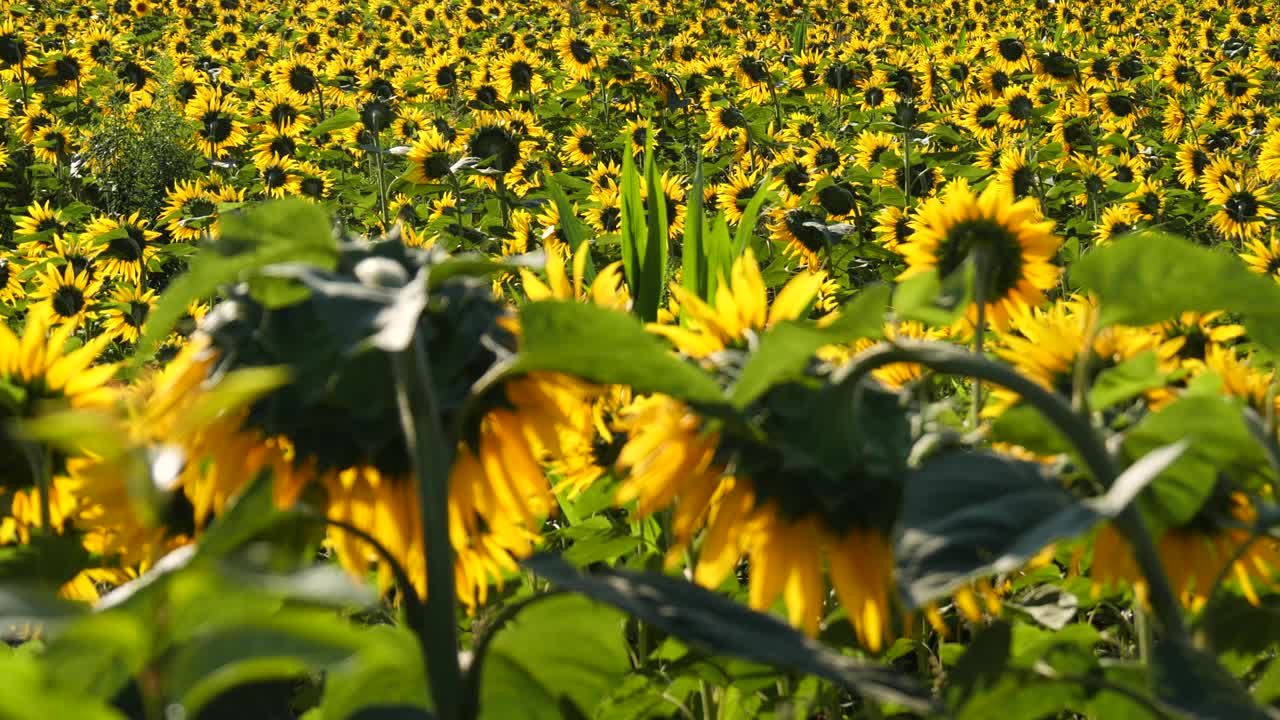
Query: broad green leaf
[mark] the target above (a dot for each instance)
(786, 349)
(275, 232)
(1125, 381)
(971, 514)
(23, 606)
(1024, 426)
(1267, 688)
(46, 560)
(608, 347)
(1002, 672)
(719, 625)
(1238, 631)
(26, 693)
(720, 255)
(1194, 683)
(387, 672)
(1219, 442)
(97, 655)
(932, 300)
(340, 120)
(558, 657)
(284, 646)
(1148, 277)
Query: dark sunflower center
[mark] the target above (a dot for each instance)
(587, 145)
(611, 219)
(1020, 108)
(580, 51)
(999, 251)
(1120, 228)
(49, 224)
(1183, 74)
(302, 80)
(125, 249)
(1011, 49)
(497, 143)
(521, 76)
(486, 95)
(796, 178)
(13, 49)
(874, 96)
(446, 76)
(826, 156)
(274, 177)
(1120, 105)
(837, 199)
(312, 187)
(217, 127)
(958, 72)
(1124, 173)
(1023, 181)
(807, 235)
(1058, 66)
(185, 90)
(982, 115)
(839, 77)
(436, 165)
(68, 301)
(1241, 206)
(136, 316)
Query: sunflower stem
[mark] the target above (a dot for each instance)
(979, 329)
(431, 454)
(38, 461)
(382, 183)
(952, 360)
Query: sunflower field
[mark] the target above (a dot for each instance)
(684, 359)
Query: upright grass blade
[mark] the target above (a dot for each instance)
(574, 234)
(720, 255)
(694, 260)
(747, 227)
(635, 234)
(653, 260)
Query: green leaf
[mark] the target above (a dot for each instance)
(274, 232)
(635, 233)
(932, 300)
(26, 693)
(97, 655)
(721, 626)
(787, 348)
(1193, 682)
(1148, 277)
(693, 253)
(1024, 426)
(608, 347)
(387, 672)
(557, 658)
(340, 120)
(1219, 442)
(720, 256)
(1125, 381)
(653, 255)
(971, 514)
(1011, 671)
(289, 644)
(747, 225)
(574, 235)
(23, 605)
(47, 560)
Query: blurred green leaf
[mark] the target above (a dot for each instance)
(935, 301)
(1194, 683)
(1126, 381)
(340, 120)
(787, 349)
(719, 625)
(1219, 442)
(607, 347)
(1148, 277)
(387, 672)
(558, 657)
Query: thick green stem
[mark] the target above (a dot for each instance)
(952, 360)
(432, 457)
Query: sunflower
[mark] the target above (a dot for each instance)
(740, 308)
(493, 141)
(38, 229)
(442, 79)
(216, 114)
(1044, 344)
(1263, 258)
(127, 246)
(38, 362)
(276, 175)
(871, 145)
(1013, 248)
(1116, 221)
(1191, 337)
(581, 147)
(1195, 554)
(735, 193)
(297, 74)
(126, 312)
(64, 296)
(285, 110)
(1244, 212)
(518, 73)
(11, 285)
(606, 214)
(893, 227)
(189, 210)
(752, 504)
(53, 144)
